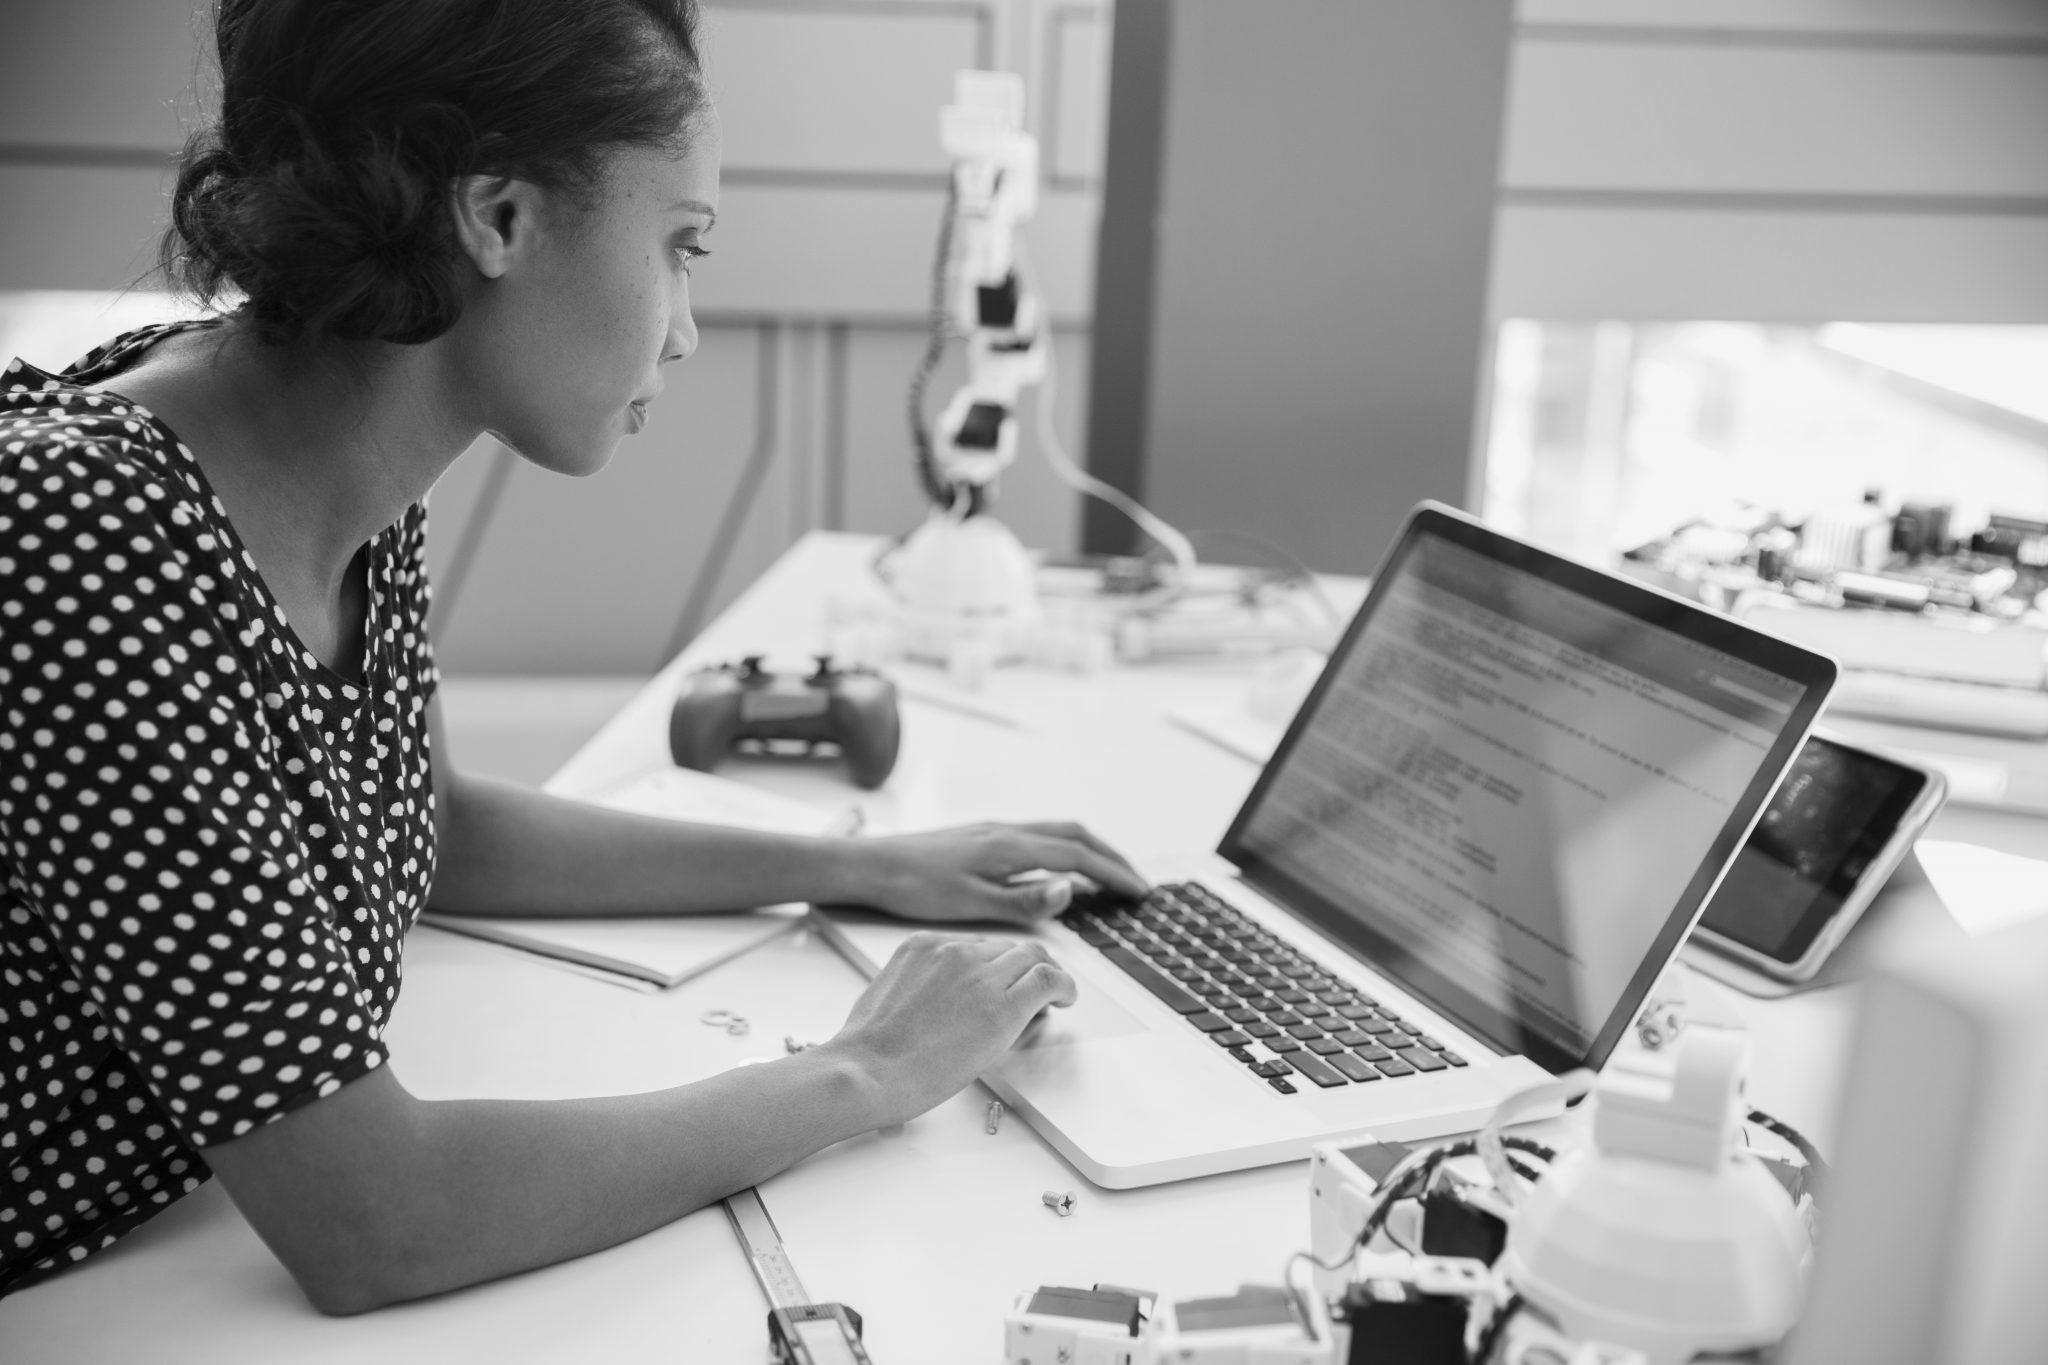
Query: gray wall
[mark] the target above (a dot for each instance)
(1300, 301)
(1776, 160)
(1319, 254)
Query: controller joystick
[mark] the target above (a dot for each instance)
(746, 705)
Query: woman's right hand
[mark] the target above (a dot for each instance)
(943, 1010)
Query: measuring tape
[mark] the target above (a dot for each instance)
(800, 1332)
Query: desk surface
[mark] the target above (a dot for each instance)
(930, 1229)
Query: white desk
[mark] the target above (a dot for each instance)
(929, 1230)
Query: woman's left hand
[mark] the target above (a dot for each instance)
(971, 873)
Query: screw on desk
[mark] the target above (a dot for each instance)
(995, 1115)
(1059, 1202)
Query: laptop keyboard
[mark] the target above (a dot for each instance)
(1271, 1008)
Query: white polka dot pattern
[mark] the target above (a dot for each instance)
(212, 845)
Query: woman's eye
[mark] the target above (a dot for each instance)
(686, 254)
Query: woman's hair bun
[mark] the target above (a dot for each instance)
(322, 196)
(352, 245)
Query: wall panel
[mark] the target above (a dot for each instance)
(98, 74)
(1796, 160)
(865, 253)
(823, 92)
(79, 226)
(1918, 19)
(1074, 114)
(1699, 118)
(1649, 263)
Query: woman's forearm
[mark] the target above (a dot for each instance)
(509, 850)
(372, 1197)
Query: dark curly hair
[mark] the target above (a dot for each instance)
(322, 194)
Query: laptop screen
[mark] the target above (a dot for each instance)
(1517, 781)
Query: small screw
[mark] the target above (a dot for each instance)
(1059, 1202)
(995, 1116)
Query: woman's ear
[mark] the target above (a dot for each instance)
(495, 218)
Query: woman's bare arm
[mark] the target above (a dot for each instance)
(509, 850)
(371, 1196)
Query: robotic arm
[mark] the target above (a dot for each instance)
(995, 188)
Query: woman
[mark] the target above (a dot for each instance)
(223, 790)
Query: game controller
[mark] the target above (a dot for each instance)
(744, 704)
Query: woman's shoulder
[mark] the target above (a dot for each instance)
(57, 430)
(55, 427)
(94, 492)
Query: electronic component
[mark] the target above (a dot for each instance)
(1258, 1325)
(1455, 1227)
(1412, 1309)
(1958, 646)
(1344, 1179)
(1053, 1325)
(1857, 537)
(1884, 591)
(2019, 539)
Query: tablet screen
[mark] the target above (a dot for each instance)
(1830, 819)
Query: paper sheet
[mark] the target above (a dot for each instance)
(685, 794)
(1232, 728)
(666, 950)
(1985, 889)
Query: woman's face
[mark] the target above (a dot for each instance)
(566, 346)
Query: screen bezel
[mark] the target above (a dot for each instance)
(1814, 673)
(1907, 797)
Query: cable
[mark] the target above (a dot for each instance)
(1532, 1147)
(726, 537)
(1079, 479)
(1807, 1151)
(935, 486)
(1492, 1145)
(1296, 570)
(472, 539)
(1489, 1340)
(1302, 1300)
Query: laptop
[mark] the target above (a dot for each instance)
(1486, 832)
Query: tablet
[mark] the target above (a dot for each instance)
(1838, 825)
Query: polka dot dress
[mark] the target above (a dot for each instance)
(211, 845)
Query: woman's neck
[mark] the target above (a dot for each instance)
(311, 456)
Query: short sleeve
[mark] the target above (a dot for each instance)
(144, 810)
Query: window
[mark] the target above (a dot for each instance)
(51, 328)
(1608, 435)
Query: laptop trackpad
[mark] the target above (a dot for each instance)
(1092, 1016)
